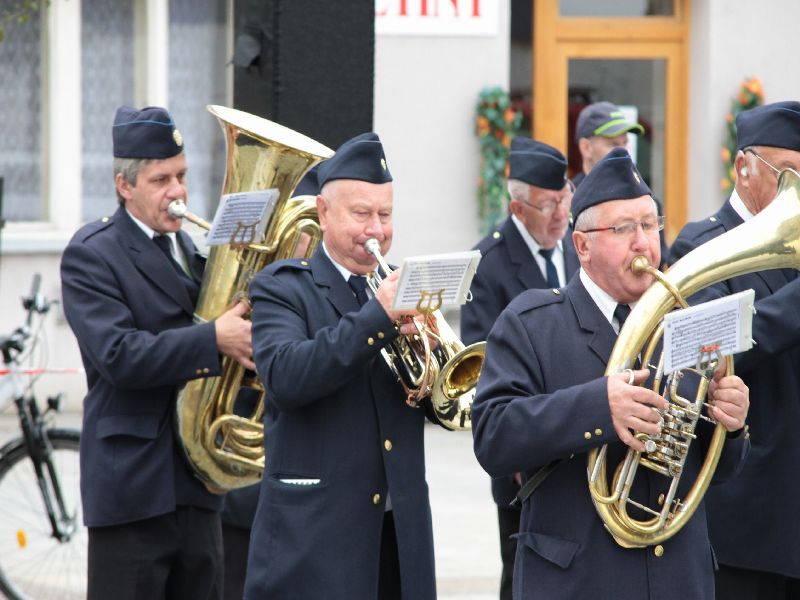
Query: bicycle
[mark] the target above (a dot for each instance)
(43, 542)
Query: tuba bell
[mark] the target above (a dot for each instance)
(447, 373)
(226, 450)
(770, 240)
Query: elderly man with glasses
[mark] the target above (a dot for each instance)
(543, 401)
(757, 547)
(531, 249)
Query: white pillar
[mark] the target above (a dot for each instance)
(62, 114)
(151, 49)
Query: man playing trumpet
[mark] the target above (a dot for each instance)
(343, 510)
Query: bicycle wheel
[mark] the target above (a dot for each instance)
(34, 565)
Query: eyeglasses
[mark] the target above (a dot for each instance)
(628, 229)
(754, 153)
(548, 208)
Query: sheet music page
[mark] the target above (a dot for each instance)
(726, 321)
(423, 278)
(242, 217)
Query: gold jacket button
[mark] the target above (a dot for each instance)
(496, 235)
(206, 370)
(381, 335)
(598, 432)
(587, 436)
(199, 371)
(371, 341)
(104, 219)
(661, 499)
(387, 444)
(376, 499)
(304, 263)
(659, 551)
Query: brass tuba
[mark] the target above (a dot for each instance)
(770, 240)
(225, 450)
(448, 373)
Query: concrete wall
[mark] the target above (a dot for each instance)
(731, 41)
(426, 90)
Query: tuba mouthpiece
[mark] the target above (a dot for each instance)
(177, 209)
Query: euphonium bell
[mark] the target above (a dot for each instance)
(226, 450)
(770, 240)
(447, 373)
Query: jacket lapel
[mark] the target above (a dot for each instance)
(151, 262)
(528, 272)
(326, 275)
(591, 320)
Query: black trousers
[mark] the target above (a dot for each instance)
(176, 556)
(389, 573)
(744, 584)
(508, 522)
(236, 542)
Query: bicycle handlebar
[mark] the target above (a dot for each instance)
(35, 303)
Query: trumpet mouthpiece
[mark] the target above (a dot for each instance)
(177, 209)
(372, 246)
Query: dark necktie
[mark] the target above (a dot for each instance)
(621, 313)
(552, 274)
(163, 243)
(165, 246)
(358, 284)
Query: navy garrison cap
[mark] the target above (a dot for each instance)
(360, 158)
(776, 125)
(604, 119)
(146, 133)
(537, 163)
(614, 177)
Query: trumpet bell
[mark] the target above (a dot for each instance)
(454, 389)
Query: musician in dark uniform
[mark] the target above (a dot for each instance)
(757, 541)
(129, 284)
(343, 509)
(531, 249)
(542, 396)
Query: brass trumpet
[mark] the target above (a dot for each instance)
(447, 373)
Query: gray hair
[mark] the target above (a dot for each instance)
(518, 190)
(129, 169)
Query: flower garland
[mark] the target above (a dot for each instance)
(751, 94)
(495, 125)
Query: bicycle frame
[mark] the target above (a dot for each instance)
(32, 421)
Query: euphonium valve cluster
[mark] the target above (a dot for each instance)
(446, 371)
(770, 240)
(225, 449)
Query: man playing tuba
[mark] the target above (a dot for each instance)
(130, 285)
(542, 396)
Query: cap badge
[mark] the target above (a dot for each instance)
(636, 177)
(176, 135)
(383, 163)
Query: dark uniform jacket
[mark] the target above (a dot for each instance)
(507, 269)
(132, 317)
(337, 418)
(748, 517)
(542, 396)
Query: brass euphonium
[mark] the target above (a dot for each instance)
(447, 373)
(225, 450)
(770, 240)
